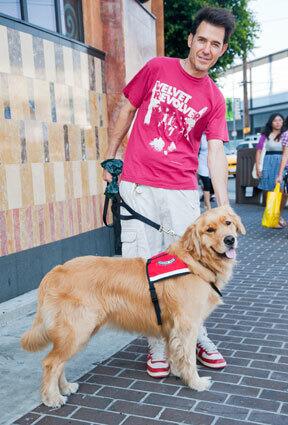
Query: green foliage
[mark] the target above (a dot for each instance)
(178, 17)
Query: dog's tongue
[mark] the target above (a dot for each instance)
(231, 253)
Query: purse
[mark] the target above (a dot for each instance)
(271, 214)
(262, 156)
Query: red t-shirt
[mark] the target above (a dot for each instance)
(174, 109)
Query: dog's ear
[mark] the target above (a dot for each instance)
(191, 240)
(238, 223)
(235, 219)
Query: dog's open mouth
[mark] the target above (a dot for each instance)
(231, 253)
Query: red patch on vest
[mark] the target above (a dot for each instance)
(164, 266)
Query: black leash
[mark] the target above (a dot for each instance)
(134, 215)
(137, 216)
(114, 167)
(105, 211)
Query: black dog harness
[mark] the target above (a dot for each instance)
(164, 266)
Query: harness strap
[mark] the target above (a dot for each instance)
(153, 292)
(216, 289)
(154, 296)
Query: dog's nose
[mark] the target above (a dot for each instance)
(229, 240)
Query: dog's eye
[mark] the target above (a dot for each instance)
(210, 230)
(228, 222)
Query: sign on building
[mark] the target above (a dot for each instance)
(237, 108)
(233, 109)
(229, 109)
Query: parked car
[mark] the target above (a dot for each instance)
(231, 159)
(252, 137)
(247, 144)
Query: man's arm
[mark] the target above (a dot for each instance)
(120, 130)
(218, 169)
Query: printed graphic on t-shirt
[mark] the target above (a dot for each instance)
(165, 101)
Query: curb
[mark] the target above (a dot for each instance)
(18, 307)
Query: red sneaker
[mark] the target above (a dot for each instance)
(157, 365)
(207, 353)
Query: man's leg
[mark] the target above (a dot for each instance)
(178, 219)
(207, 204)
(207, 352)
(141, 240)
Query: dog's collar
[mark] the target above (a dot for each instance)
(212, 284)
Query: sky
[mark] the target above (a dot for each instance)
(272, 16)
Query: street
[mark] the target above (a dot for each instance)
(250, 329)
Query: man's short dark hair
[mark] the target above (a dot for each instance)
(215, 16)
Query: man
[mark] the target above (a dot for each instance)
(176, 101)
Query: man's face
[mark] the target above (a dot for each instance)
(206, 46)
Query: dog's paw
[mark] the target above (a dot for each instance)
(70, 388)
(174, 371)
(202, 384)
(55, 401)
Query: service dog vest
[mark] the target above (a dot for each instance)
(164, 266)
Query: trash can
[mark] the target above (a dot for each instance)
(246, 186)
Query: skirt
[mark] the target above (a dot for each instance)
(207, 184)
(270, 171)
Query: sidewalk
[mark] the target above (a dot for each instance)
(250, 329)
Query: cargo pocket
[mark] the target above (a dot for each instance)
(129, 243)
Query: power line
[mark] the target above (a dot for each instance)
(275, 20)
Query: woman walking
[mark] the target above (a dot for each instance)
(270, 141)
(203, 173)
(283, 170)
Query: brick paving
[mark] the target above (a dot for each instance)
(251, 330)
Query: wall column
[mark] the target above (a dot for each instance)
(93, 27)
(113, 45)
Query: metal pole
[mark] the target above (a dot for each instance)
(234, 118)
(246, 124)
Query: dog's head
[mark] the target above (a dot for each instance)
(213, 237)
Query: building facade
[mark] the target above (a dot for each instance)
(62, 70)
(267, 90)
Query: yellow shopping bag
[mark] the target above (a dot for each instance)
(271, 214)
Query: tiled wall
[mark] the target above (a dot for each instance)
(53, 133)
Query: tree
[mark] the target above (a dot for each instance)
(178, 17)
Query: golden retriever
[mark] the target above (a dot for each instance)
(77, 298)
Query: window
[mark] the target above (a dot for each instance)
(11, 8)
(71, 18)
(42, 13)
(62, 16)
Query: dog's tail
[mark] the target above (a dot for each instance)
(36, 338)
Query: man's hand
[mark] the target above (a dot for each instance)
(107, 177)
(120, 130)
(218, 169)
